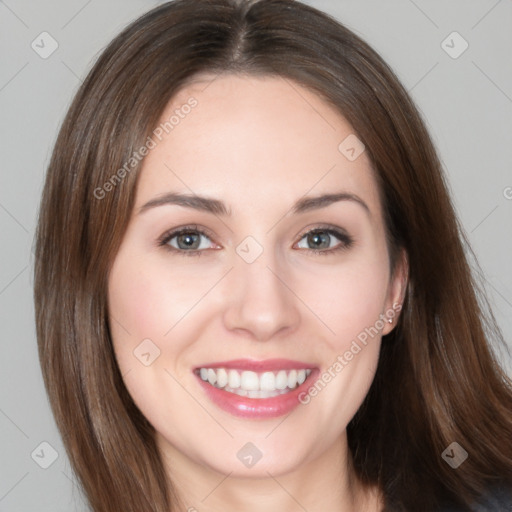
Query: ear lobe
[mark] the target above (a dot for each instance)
(397, 291)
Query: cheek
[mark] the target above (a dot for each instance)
(138, 308)
(350, 304)
(347, 300)
(145, 301)
(148, 297)
(138, 304)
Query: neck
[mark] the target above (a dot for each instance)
(325, 483)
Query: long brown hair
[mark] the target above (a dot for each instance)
(437, 380)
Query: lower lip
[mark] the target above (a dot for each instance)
(257, 408)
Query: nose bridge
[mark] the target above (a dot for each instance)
(259, 301)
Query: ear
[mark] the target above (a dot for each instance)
(396, 292)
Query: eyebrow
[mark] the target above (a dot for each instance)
(217, 207)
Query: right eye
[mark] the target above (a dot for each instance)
(186, 240)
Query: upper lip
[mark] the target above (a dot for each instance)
(259, 366)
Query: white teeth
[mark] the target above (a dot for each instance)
(268, 382)
(212, 376)
(292, 379)
(233, 379)
(222, 377)
(281, 380)
(252, 384)
(250, 381)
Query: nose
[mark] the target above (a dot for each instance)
(261, 302)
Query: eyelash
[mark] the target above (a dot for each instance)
(346, 241)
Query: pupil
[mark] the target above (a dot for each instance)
(188, 239)
(317, 237)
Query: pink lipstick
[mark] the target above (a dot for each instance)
(256, 389)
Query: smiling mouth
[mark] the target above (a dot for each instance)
(252, 384)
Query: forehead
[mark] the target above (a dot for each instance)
(250, 140)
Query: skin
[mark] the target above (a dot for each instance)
(259, 145)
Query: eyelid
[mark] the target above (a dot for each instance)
(171, 233)
(346, 240)
(322, 227)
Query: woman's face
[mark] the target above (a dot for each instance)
(267, 285)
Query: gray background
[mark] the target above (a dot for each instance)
(466, 101)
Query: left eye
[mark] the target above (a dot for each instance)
(321, 239)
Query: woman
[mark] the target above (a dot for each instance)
(326, 349)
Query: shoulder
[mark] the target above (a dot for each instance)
(497, 498)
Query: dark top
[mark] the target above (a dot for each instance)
(497, 499)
